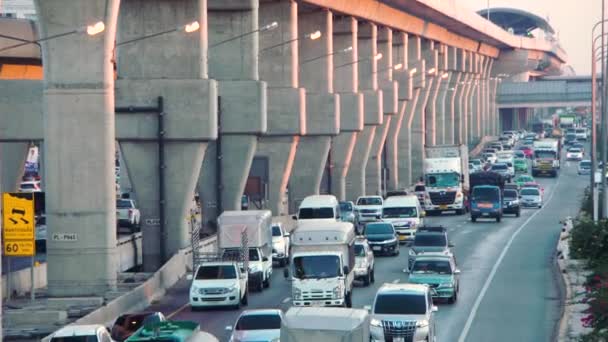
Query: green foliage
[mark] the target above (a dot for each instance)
(589, 241)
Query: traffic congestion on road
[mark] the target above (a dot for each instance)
(455, 258)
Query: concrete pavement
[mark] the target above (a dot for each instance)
(508, 291)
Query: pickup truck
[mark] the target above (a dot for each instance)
(127, 213)
(218, 283)
(280, 244)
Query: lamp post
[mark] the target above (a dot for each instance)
(312, 36)
(377, 57)
(264, 28)
(347, 49)
(91, 30)
(188, 28)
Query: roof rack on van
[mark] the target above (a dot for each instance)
(434, 229)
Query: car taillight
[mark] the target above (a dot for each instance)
(130, 212)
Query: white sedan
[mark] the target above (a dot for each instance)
(574, 154)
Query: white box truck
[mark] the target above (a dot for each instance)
(258, 225)
(446, 178)
(322, 263)
(325, 325)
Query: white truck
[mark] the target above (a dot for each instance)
(368, 208)
(325, 325)
(127, 213)
(322, 263)
(280, 244)
(258, 225)
(446, 178)
(546, 157)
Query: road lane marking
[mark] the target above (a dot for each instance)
(169, 316)
(286, 300)
(486, 285)
(395, 281)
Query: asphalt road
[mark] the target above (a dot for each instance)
(508, 288)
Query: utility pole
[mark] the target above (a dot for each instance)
(603, 120)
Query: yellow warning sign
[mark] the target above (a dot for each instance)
(18, 222)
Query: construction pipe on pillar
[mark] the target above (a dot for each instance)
(450, 99)
(466, 111)
(459, 94)
(367, 63)
(493, 107)
(405, 92)
(418, 122)
(351, 101)
(234, 32)
(165, 167)
(435, 104)
(322, 107)
(417, 76)
(79, 103)
(487, 104)
(473, 113)
(278, 63)
(442, 102)
(376, 171)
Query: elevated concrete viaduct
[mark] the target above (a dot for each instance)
(193, 111)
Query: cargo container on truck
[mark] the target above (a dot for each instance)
(546, 157)
(446, 177)
(322, 263)
(325, 325)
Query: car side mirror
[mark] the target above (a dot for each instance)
(189, 277)
(294, 217)
(434, 309)
(456, 271)
(450, 245)
(346, 270)
(229, 327)
(406, 270)
(264, 258)
(423, 214)
(368, 308)
(286, 235)
(285, 273)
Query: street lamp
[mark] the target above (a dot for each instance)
(312, 36)
(264, 28)
(188, 28)
(91, 30)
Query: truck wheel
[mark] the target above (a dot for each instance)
(245, 299)
(267, 282)
(367, 279)
(453, 299)
(282, 262)
(372, 276)
(518, 213)
(498, 218)
(473, 218)
(459, 211)
(258, 283)
(348, 300)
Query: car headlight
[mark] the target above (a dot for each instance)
(254, 268)
(297, 293)
(375, 322)
(337, 292)
(194, 289)
(391, 240)
(231, 288)
(422, 323)
(411, 252)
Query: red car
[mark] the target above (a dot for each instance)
(528, 151)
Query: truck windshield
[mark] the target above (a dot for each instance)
(316, 213)
(544, 154)
(379, 228)
(276, 231)
(216, 272)
(346, 206)
(485, 194)
(442, 180)
(432, 266)
(369, 201)
(120, 204)
(400, 304)
(400, 212)
(316, 266)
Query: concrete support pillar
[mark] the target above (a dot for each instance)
(242, 112)
(79, 104)
(351, 102)
(278, 63)
(13, 157)
(399, 124)
(474, 112)
(494, 118)
(459, 98)
(486, 98)
(418, 123)
(466, 111)
(322, 106)
(376, 170)
(432, 106)
(367, 66)
(189, 115)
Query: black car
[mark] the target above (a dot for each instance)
(510, 202)
(127, 324)
(382, 238)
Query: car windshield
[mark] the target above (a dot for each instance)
(485, 194)
(510, 194)
(419, 188)
(475, 161)
(123, 204)
(442, 180)
(430, 240)
(89, 338)
(346, 206)
(524, 179)
(585, 164)
(316, 213)
(316, 266)
(369, 201)
(216, 272)
(529, 192)
(544, 154)
(379, 228)
(276, 231)
(400, 304)
(259, 322)
(432, 266)
(581, 130)
(359, 250)
(499, 167)
(575, 150)
(28, 186)
(399, 212)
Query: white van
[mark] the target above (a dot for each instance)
(406, 215)
(319, 207)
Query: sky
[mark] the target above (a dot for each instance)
(571, 19)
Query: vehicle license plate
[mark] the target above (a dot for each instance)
(485, 205)
(443, 207)
(398, 339)
(485, 214)
(317, 303)
(377, 248)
